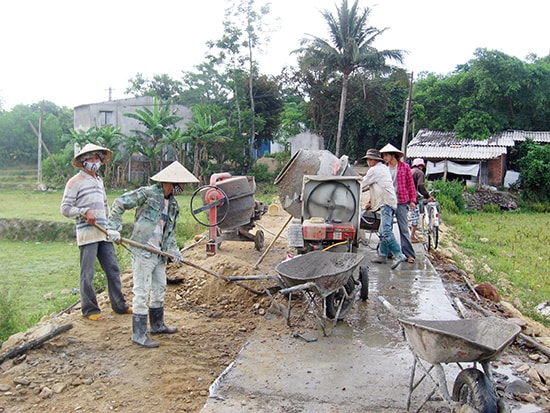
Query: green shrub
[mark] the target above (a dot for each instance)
(261, 173)
(535, 172)
(453, 191)
(447, 204)
(491, 208)
(9, 315)
(539, 207)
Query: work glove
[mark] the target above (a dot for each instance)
(113, 235)
(178, 259)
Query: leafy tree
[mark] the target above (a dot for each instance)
(535, 172)
(244, 26)
(268, 109)
(488, 94)
(350, 48)
(162, 86)
(18, 142)
(207, 84)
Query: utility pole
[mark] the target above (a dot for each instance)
(40, 186)
(407, 115)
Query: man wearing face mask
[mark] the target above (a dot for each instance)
(85, 200)
(156, 215)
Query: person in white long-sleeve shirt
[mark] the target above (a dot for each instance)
(85, 200)
(379, 183)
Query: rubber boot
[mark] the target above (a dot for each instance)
(156, 318)
(139, 331)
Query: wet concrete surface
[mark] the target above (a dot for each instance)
(363, 365)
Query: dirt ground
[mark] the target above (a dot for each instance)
(94, 366)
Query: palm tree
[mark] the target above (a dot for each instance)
(350, 48)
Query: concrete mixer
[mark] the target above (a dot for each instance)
(228, 208)
(323, 194)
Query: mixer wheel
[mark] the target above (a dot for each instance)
(212, 197)
(259, 240)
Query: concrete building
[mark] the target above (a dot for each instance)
(112, 112)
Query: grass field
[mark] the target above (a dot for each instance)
(510, 250)
(36, 276)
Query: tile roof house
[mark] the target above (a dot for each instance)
(483, 162)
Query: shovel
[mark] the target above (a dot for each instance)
(170, 256)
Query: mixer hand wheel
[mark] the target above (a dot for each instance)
(212, 197)
(328, 200)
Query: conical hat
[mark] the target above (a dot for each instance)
(389, 148)
(175, 173)
(88, 148)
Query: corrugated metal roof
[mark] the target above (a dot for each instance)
(462, 152)
(521, 135)
(433, 144)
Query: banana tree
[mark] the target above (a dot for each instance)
(201, 133)
(154, 140)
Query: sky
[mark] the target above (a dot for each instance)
(75, 52)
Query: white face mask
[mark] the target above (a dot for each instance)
(91, 166)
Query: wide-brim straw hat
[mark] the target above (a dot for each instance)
(105, 154)
(389, 148)
(175, 173)
(373, 154)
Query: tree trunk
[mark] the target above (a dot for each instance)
(342, 113)
(196, 161)
(253, 123)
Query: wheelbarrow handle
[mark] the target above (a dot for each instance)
(300, 287)
(253, 277)
(389, 307)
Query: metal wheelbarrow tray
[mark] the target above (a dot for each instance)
(450, 341)
(435, 343)
(322, 271)
(328, 275)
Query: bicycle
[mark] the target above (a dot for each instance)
(429, 223)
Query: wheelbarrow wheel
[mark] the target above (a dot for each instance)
(259, 240)
(474, 389)
(364, 279)
(332, 301)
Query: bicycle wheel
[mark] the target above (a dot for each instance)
(424, 230)
(434, 237)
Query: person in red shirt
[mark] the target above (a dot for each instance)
(406, 195)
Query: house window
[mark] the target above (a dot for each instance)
(105, 118)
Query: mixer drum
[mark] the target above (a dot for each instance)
(306, 162)
(240, 192)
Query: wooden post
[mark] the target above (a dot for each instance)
(407, 115)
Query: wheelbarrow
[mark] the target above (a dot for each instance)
(320, 274)
(439, 342)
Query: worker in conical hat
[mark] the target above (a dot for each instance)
(85, 200)
(406, 196)
(157, 212)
